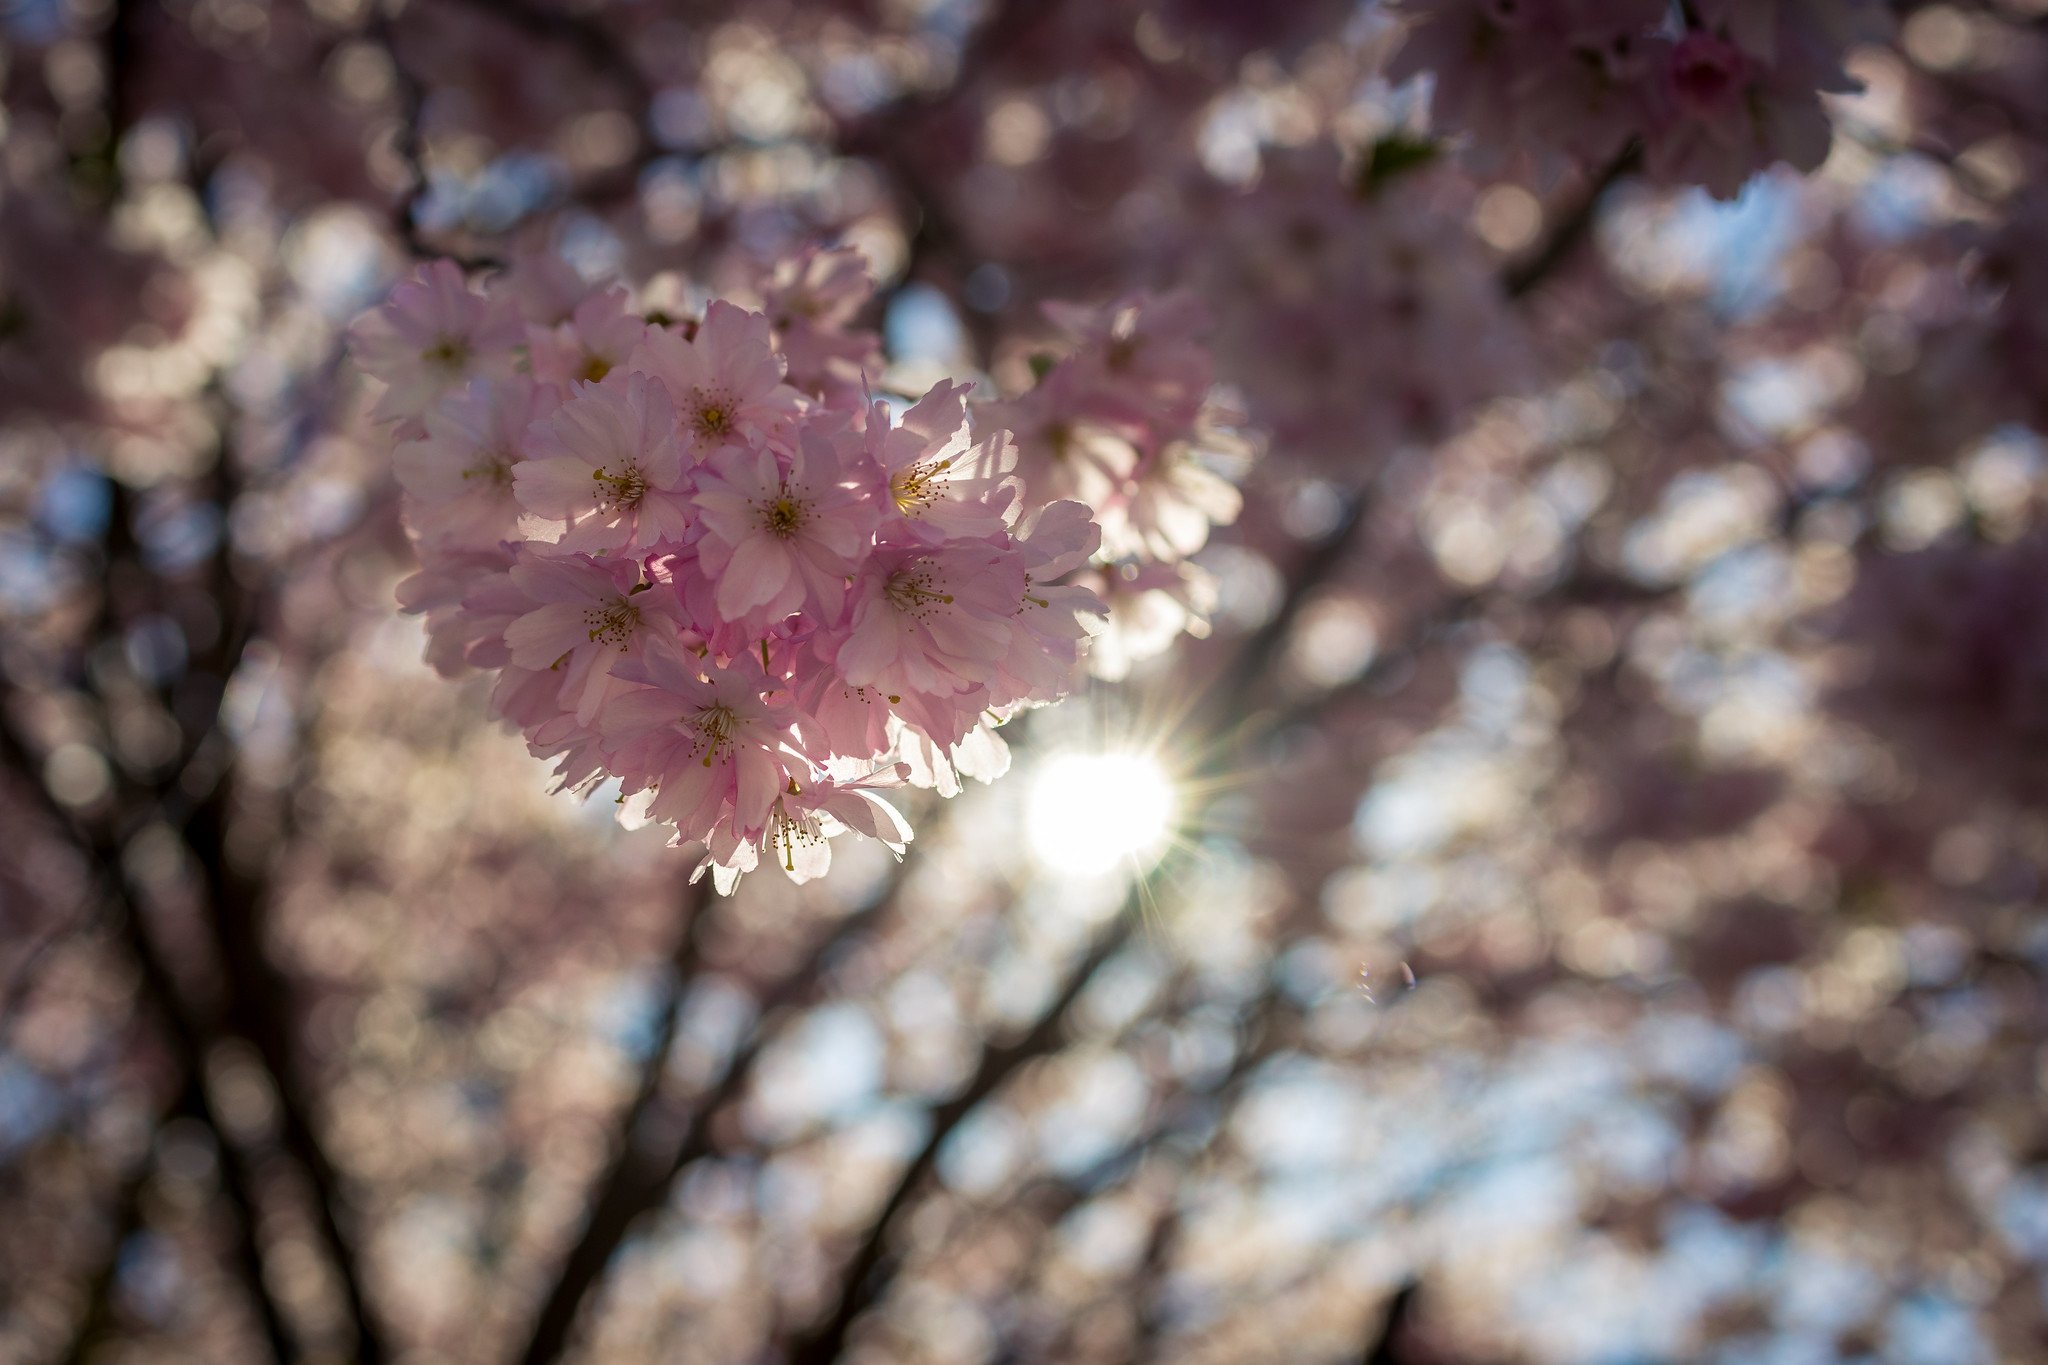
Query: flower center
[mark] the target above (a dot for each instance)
(595, 368)
(794, 832)
(783, 517)
(914, 590)
(917, 488)
(495, 468)
(713, 414)
(613, 625)
(448, 353)
(620, 490)
(714, 726)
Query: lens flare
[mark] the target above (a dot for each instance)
(1091, 812)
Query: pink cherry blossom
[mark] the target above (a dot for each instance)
(726, 380)
(755, 607)
(780, 533)
(459, 473)
(942, 483)
(609, 464)
(1053, 618)
(468, 598)
(432, 337)
(589, 616)
(804, 819)
(709, 741)
(811, 301)
(597, 337)
(932, 621)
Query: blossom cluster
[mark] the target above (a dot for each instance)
(1122, 419)
(704, 561)
(1712, 91)
(1322, 274)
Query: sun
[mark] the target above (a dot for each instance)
(1090, 813)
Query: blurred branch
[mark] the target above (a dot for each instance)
(258, 1008)
(1262, 1041)
(125, 1220)
(97, 169)
(237, 1177)
(1226, 698)
(865, 1278)
(625, 1179)
(182, 1030)
(14, 995)
(410, 144)
(592, 42)
(938, 250)
(1573, 229)
(258, 1011)
(1385, 1345)
(193, 802)
(936, 246)
(641, 1175)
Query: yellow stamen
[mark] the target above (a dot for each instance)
(614, 625)
(624, 489)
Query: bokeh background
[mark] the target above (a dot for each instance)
(1598, 914)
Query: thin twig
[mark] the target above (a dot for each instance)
(1524, 276)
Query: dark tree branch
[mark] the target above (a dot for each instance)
(866, 1277)
(237, 1178)
(257, 1008)
(1385, 1345)
(600, 1236)
(14, 995)
(259, 1011)
(1522, 278)
(183, 1032)
(410, 144)
(1226, 698)
(863, 1279)
(125, 1219)
(643, 1172)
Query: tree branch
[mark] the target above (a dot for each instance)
(1523, 277)
(863, 1279)
(182, 1030)
(640, 1178)
(410, 144)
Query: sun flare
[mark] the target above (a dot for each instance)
(1092, 812)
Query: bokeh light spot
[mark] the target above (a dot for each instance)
(1090, 812)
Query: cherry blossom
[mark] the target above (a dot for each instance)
(433, 336)
(754, 607)
(460, 472)
(611, 466)
(780, 533)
